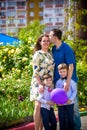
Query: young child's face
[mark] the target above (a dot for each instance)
(63, 73)
(48, 82)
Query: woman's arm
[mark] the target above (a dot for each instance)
(40, 84)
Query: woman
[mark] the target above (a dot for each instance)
(42, 64)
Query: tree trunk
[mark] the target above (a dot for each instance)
(83, 30)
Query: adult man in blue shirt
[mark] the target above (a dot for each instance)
(63, 53)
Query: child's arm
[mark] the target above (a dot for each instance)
(42, 100)
(50, 103)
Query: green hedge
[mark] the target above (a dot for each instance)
(16, 73)
(82, 83)
(15, 78)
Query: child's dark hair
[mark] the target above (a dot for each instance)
(46, 76)
(62, 66)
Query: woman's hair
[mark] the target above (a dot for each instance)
(62, 66)
(38, 45)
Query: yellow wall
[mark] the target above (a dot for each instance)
(36, 10)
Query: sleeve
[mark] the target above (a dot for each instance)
(74, 90)
(36, 62)
(41, 99)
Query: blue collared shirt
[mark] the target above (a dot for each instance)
(64, 54)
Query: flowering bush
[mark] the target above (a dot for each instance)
(82, 83)
(80, 49)
(16, 73)
(15, 77)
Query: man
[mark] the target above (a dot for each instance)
(63, 53)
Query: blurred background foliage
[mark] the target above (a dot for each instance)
(16, 73)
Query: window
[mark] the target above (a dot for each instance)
(57, 19)
(11, 21)
(32, 14)
(47, 11)
(13, 30)
(41, 13)
(48, 20)
(21, 13)
(2, 22)
(11, 4)
(59, 1)
(41, 21)
(2, 30)
(49, 1)
(31, 5)
(2, 4)
(11, 13)
(40, 4)
(20, 3)
(21, 21)
(2, 14)
(61, 19)
(59, 10)
(51, 20)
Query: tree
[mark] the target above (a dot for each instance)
(82, 19)
(76, 36)
(30, 33)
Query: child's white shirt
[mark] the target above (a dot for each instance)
(44, 98)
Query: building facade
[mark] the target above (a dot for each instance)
(16, 14)
(12, 16)
(34, 10)
(49, 12)
(54, 14)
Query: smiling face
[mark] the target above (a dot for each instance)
(48, 82)
(63, 73)
(45, 43)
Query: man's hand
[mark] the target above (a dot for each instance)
(70, 71)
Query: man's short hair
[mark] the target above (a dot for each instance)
(57, 33)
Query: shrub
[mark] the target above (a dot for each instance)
(82, 83)
(15, 78)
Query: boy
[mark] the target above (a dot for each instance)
(66, 111)
(47, 112)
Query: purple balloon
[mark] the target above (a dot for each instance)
(59, 96)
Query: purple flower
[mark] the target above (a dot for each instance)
(20, 98)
